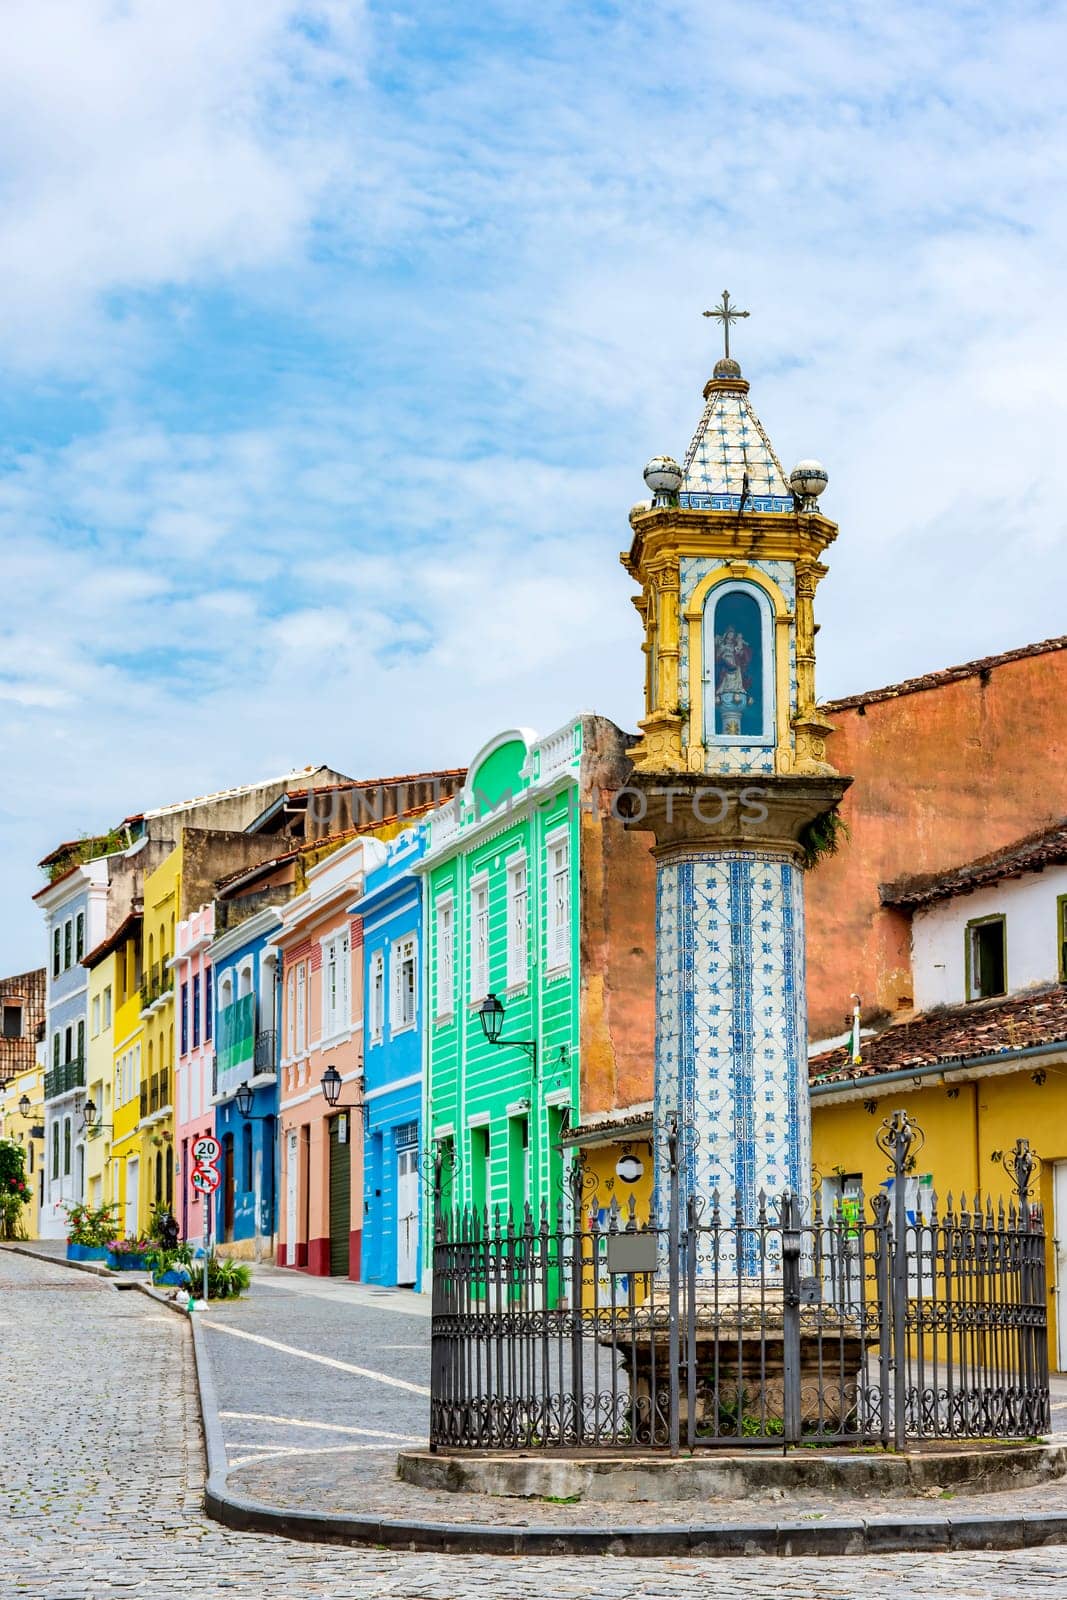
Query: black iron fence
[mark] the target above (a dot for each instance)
(878, 1321)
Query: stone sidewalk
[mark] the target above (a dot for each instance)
(103, 1488)
(315, 1426)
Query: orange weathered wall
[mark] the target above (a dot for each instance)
(940, 775)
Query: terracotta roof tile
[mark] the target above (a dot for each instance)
(936, 680)
(1045, 848)
(952, 1034)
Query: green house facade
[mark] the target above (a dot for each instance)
(504, 916)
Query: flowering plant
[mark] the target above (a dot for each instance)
(128, 1247)
(86, 1225)
(14, 1192)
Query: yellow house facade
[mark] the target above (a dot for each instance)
(26, 1127)
(155, 1126)
(982, 1060)
(99, 1076)
(123, 1158)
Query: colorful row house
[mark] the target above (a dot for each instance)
(390, 909)
(194, 1058)
(539, 975)
(244, 1089)
(319, 944)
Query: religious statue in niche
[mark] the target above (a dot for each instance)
(737, 631)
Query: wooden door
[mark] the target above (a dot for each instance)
(229, 1182)
(340, 1194)
(407, 1216)
(1059, 1223)
(292, 1166)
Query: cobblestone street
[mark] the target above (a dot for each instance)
(104, 1477)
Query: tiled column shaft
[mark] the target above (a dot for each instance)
(731, 1026)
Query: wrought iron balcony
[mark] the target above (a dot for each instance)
(158, 982)
(68, 1075)
(266, 1054)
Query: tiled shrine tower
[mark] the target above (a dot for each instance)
(732, 768)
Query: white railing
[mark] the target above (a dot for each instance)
(557, 753)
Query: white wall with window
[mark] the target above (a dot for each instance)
(377, 995)
(445, 935)
(558, 899)
(479, 938)
(518, 921)
(955, 941)
(404, 970)
(336, 985)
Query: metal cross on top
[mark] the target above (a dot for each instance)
(726, 314)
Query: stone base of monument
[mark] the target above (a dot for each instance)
(738, 1384)
(629, 1477)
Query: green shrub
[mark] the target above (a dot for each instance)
(86, 1225)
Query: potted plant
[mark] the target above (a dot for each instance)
(170, 1266)
(89, 1231)
(128, 1255)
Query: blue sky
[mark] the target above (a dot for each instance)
(334, 338)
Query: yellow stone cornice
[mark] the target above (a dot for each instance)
(665, 534)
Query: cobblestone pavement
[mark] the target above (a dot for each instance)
(103, 1479)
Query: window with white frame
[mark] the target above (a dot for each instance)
(96, 1015)
(377, 995)
(402, 1010)
(446, 957)
(518, 921)
(479, 939)
(107, 1007)
(301, 1009)
(290, 1014)
(336, 985)
(559, 901)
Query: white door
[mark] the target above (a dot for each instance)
(133, 1183)
(407, 1215)
(292, 1163)
(1059, 1223)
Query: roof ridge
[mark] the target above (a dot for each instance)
(1007, 859)
(943, 675)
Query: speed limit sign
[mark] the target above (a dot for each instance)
(207, 1150)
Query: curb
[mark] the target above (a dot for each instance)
(853, 1537)
(121, 1280)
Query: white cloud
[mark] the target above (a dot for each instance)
(371, 510)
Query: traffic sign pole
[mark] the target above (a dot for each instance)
(207, 1200)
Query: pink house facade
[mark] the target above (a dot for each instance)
(194, 1056)
(321, 1178)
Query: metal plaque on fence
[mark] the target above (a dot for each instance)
(632, 1252)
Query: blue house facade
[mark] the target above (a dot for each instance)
(391, 912)
(246, 1054)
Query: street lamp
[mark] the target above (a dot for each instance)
(90, 1116)
(491, 1015)
(243, 1097)
(330, 1084)
(25, 1109)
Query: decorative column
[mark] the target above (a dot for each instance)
(734, 817)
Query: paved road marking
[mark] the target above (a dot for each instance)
(325, 1361)
(280, 1452)
(300, 1422)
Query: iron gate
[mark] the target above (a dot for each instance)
(872, 1323)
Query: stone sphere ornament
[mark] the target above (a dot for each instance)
(807, 480)
(664, 477)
